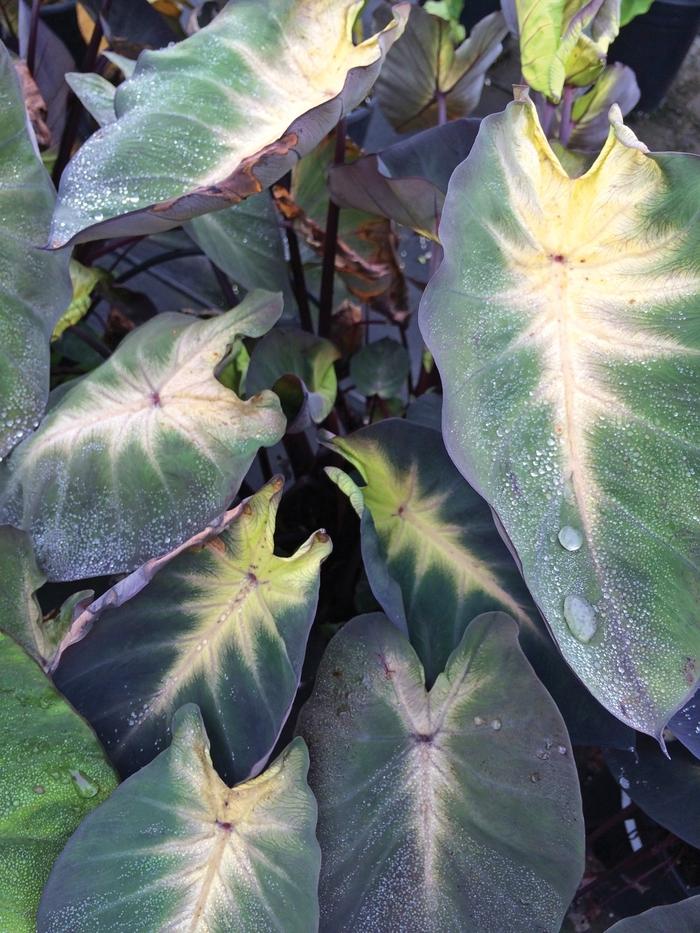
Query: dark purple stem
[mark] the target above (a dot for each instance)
(566, 124)
(330, 242)
(33, 31)
(70, 132)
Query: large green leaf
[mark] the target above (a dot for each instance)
(434, 560)
(223, 626)
(564, 41)
(144, 450)
(53, 773)
(683, 917)
(174, 848)
(563, 321)
(34, 285)
(453, 809)
(424, 65)
(220, 116)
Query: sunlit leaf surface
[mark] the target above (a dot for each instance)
(213, 119)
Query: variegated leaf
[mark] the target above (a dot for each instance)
(453, 809)
(34, 285)
(223, 626)
(219, 116)
(176, 849)
(434, 560)
(563, 321)
(143, 451)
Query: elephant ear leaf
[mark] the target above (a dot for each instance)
(53, 773)
(89, 485)
(424, 67)
(565, 330)
(34, 285)
(223, 114)
(178, 849)
(434, 560)
(224, 626)
(460, 806)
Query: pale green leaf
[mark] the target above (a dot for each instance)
(34, 285)
(456, 808)
(211, 120)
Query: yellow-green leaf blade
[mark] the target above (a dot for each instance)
(223, 626)
(175, 848)
(563, 323)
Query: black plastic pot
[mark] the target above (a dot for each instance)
(654, 45)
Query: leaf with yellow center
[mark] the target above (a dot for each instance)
(209, 121)
(564, 324)
(224, 626)
(434, 560)
(179, 850)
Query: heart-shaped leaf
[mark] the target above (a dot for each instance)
(220, 116)
(174, 848)
(425, 66)
(53, 773)
(34, 285)
(380, 368)
(90, 484)
(223, 626)
(454, 809)
(434, 560)
(562, 323)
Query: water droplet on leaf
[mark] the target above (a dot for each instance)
(580, 617)
(570, 538)
(83, 785)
